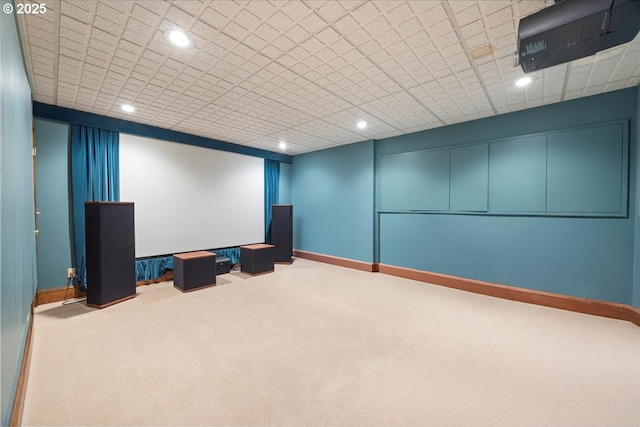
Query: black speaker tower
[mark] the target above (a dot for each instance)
(110, 253)
(282, 232)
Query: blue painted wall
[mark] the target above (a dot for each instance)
(332, 192)
(52, 201)
(585, 257)
(17, 224)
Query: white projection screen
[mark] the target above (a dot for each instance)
(190, 198)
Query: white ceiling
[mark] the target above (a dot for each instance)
(304, 72)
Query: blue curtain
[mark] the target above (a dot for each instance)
(153, 268)
(271, 184)
(232, 253)
(94, 178)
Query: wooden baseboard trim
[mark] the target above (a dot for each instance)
(18, 402)
(334, 260)
(548, 299)
(63, 293)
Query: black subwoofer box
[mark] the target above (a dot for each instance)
(223, 265)
(194, 270)
(256, 259)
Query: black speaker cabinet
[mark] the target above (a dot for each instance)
(256, 259)
(110, 252)
(282, 232)
(194, 270)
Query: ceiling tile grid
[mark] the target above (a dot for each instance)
(304, 72)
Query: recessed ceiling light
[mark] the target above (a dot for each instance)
(282, 145)
(178, 38)
(128, 108)
(523, 81)
(362, 124)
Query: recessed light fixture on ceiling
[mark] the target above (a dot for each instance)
(177, 37)
(127, 108)
(523, 81)
(362, 124)
(282, 145)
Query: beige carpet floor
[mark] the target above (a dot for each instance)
(318, 345)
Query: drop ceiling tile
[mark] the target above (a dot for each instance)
(298, 34)
(107, 26)
(248, 20)
(313, 23)
(36, 42)
(506, 29)
(41, 37)
(625, 71)
(116, 14)
(433, 15)
(296, 10)
(45, 82)
(468, 15)
(43, 22)
(105, 49)
(143, 14)
(447, 40)
(223, 78)
(192, 7)
(330, 11)
(365, 13)
(615, 85)
(140, 27)
(477, 40)
(471, 29)
(499, 17)
(379, 26)
(460, 5)
(74, 29)
(179, 17)
(77, 10)
(505, 42)
(284, 44)
(328, 36)
(136, 37)
(347, 25)
(73, 50)
(393, 41)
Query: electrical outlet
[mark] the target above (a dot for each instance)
(71, 273)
